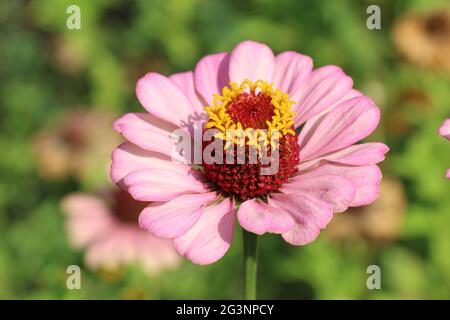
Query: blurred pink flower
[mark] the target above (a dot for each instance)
(321, 169)
(107, 227)
(444, 131)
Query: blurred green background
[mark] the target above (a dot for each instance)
(47, 70)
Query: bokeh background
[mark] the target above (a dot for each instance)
(60, 90)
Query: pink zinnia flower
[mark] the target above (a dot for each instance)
(444, 131)
(319, 115)
(107, 227)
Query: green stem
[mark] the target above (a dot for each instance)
(250, 264)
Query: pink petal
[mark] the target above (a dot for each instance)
(127, 243)
(162, 185)
(185, 80)
(301, 234)
(291, 70)
(366, 180)
(251, 60)
(323, 87)
(310, 215)
(349, 95)
(114, 249)
(128, 157)
(174, 218)
(211, 75)
(444, 130)
(334, 190)
(346, 124)
(88, 218)
(211, 236)
(258, 217)
(356, 155)
(164, 99)
(148, 132)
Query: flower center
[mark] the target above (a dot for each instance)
(252, 117)
(252, 110)
(125, 208)
(438, 24)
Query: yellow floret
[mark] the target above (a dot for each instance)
(279, 126)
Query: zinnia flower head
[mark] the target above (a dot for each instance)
(106, 226)
(311, 119)
(444, 131)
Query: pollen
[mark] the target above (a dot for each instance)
(251, 114)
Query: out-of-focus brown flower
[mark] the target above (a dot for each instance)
(425, 39)
(79, 144)
(379, 222)
(69, 54)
